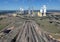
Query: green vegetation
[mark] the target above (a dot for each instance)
(51, 24)
(1, 18)
(3, 26)
(48, 25)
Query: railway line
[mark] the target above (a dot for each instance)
(28, 32)
(32, 33)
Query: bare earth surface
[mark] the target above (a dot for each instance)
(28, 32)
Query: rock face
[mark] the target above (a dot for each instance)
(30, 32)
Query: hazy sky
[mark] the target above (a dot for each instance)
(25, 4)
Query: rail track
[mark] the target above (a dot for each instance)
(29, 32)
(32, 33)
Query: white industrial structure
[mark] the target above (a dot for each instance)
(21, 10)
(43, 10)
(29, 11)
(41, 13)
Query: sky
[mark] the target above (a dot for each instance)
(26, 4)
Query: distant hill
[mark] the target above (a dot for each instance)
(14, 11)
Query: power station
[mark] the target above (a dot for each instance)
(40, 13)
(32, 12)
